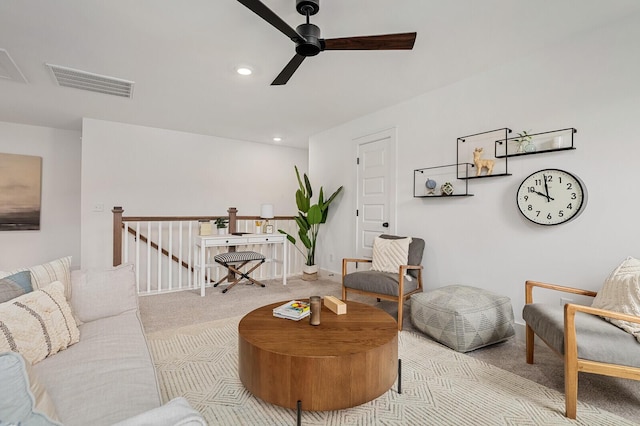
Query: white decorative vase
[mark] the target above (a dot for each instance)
(310, 272)
(556, 142)
(222, 231)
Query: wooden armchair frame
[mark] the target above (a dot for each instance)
(400, 299)
(572, 364)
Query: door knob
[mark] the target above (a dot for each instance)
(385, 225)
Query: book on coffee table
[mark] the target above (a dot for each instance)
(294, 310)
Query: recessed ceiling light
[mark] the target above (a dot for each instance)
(244, 70)
(277, 139)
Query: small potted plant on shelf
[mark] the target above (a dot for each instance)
(221, 224)
(524, 142)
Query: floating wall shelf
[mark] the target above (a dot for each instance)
(482, 147)
(438, 176)
(552, 141)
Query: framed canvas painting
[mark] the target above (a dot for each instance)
(20, 192)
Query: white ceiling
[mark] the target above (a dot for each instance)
(181, 54)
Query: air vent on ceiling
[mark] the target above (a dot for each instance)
(83, 80)
(8, 69)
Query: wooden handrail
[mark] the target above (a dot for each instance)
(119, 219)
(194, 218)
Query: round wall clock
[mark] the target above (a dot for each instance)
(551, 197)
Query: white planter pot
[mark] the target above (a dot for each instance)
(313, 269)
(310, 273)
(222, 231)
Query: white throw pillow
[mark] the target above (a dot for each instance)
(621, 293)
(38, 324)
(389, 254)
(101, 293)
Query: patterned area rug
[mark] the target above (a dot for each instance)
(439, 387)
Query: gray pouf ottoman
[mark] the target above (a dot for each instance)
(463, 318)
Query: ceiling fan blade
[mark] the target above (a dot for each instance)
(257, 7)
(288, 70)
(401, 41)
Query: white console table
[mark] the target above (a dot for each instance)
(228, 240)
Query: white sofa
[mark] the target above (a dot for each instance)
(108, 376)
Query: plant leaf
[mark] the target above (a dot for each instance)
(333, 196)
(289, 237)
(308, 184)
(314, 216)
(302, 224)
(305, 240)
(302, 201)
(299, 180)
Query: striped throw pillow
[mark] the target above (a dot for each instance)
(38, 324)
(56, 270)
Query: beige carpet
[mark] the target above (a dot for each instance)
(440, 387)
(174, 310)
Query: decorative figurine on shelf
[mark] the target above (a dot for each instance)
(481, 163)
(446, 188)
(431, 186)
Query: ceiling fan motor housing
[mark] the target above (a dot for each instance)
(307, 6)
(312, 46)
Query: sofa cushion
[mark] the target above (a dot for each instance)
(379, 282)
(23, 400)
(621, 293)
(595, 336)
(389, 254)
(104, 292)
(38, 324)
(15, 285)
(105, 378)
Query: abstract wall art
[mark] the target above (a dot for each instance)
(20, 192)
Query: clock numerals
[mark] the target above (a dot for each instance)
(551, 197)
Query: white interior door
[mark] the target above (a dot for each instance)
(376, 189)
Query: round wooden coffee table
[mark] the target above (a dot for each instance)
(345, 361)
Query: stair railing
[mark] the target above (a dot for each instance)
(162, 248)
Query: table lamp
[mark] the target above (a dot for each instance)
(266, 212)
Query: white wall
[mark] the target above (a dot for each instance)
(590, 83)
(59, 233)
(157, 172)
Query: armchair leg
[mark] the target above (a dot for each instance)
(570, 389)
(400, 313)
(530, 336)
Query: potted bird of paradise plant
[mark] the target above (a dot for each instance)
(310, 217)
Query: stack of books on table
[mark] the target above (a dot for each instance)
(293, 310)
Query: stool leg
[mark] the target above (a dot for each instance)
(240, 275)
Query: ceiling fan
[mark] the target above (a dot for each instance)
(307, 36)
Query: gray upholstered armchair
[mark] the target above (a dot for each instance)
(396, 287)
(585, 341)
